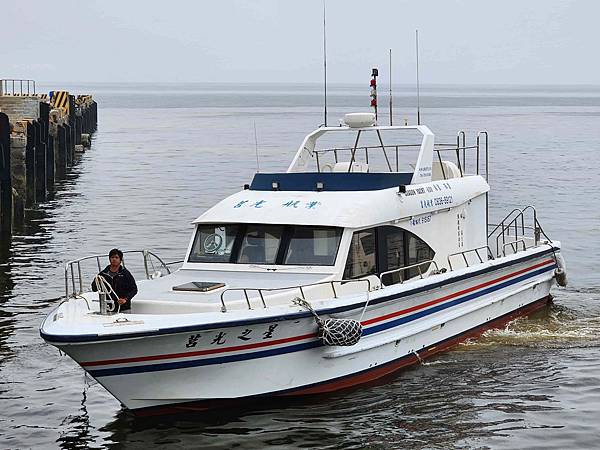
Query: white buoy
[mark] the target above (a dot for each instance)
(560, 274)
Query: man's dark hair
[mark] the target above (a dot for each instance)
(116, 251)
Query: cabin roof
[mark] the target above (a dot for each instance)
(342, 208)
(327, 208)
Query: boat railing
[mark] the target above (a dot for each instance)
(514, 245)
(460, 150)
(247, 291)
(401, 270)
(74, 276)
(519, 226)
(464, 254)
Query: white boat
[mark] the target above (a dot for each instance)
(401, 257)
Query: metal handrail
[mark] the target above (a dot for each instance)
(471, 250)
(300, 288)
(515, 220)
(514, 245)
(75, 264)
(412, 266)
(4, 86)
(438, 147)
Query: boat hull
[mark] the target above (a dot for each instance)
(366, 377)
(185, 371)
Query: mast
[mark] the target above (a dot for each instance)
(324, 67)
(418, 96)
(391, 88)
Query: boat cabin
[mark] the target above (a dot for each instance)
(368, 209)
(361, 207)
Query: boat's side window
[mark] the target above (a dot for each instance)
(393, 251)
(362, 255)
(384, 250)
(260, 244)
(418, 251)
(214, 243)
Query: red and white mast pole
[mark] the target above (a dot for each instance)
(374, 76)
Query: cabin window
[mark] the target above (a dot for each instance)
(266, 244)
(312, 246)
(386, 248)
(214, 243)
(260, 244)
(362, 255)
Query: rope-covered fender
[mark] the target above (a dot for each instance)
(342, 332)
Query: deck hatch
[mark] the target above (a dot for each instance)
(199, 286)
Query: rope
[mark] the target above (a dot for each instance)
(104, 287)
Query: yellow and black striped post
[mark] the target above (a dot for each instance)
(60, 99)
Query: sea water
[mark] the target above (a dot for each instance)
(164, 153)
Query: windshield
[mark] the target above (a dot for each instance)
(266, 244)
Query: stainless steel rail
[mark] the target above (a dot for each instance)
(514, 245)
(513, 226)
(76, 279)
(298, 287)
(475, 250)
(402, 269)
(481, 145)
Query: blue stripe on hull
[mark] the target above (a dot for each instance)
(307, 345)
(458, 301)
(205, 405)
(53, 338)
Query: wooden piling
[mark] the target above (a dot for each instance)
(61, 161)
(6, 207)
(30, 175)
(49, 144)
(38, 139)
(40, 163)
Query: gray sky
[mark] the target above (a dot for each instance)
(468, 41)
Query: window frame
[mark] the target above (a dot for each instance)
(284, 243)
(381, 251)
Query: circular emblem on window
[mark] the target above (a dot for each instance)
(212, 243)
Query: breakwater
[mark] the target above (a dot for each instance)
(40, 134)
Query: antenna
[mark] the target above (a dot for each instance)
(391, 87)
(256, 148)
(324, 65)
(418, 97)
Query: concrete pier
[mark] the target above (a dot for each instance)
(39, 135)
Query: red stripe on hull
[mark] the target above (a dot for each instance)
(310, 335)
(199, 352)
(455, 294)
(350, 381)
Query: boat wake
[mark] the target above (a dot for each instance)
(556, 326)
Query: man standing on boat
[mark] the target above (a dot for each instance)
(120, 280)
